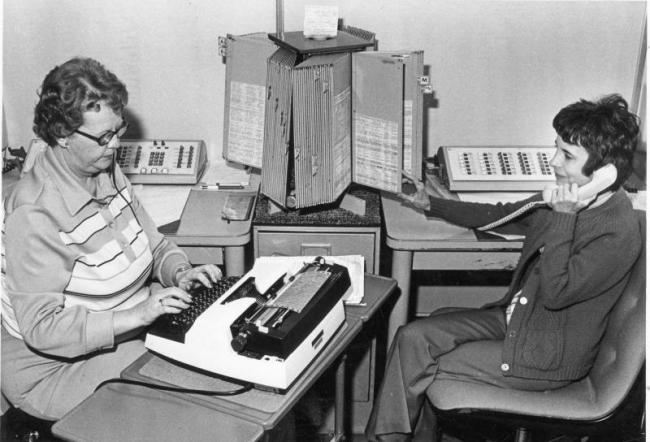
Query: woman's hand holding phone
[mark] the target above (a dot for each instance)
(420, 198)
(564, 198)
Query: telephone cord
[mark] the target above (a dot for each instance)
(523, 209)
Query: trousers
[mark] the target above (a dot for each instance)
(48, 387)
(459, 345)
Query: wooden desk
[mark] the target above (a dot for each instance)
(131, 412)
(419, 243)
(206, 237)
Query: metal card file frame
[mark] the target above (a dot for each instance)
(319, 125)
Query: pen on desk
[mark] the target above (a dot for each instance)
(222, 186)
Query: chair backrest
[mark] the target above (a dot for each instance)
(622, 351)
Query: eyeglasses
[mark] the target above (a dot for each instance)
(107, 136)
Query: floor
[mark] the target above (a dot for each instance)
(484, 434)
(15, 425)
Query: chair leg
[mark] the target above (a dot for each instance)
(522, 435)
(18, 425)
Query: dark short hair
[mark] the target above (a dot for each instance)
(606, 129)
(70, 90)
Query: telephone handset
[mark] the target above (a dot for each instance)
(601, 179)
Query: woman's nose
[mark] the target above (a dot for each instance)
(556, 160)
(114, 143)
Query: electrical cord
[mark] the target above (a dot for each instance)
(511, 216)
(235, 392)
(111, 172)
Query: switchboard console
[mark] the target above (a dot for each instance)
(162, 161)
(496, 168)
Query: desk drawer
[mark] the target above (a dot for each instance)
(305, 244)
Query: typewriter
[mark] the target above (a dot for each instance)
(265, 328)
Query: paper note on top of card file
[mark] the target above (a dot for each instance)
(354, 264)
(321, 22)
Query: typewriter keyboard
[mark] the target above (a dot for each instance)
(174, 326)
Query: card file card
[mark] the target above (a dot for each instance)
(322, 103)
(243, 128)
(387, 118)
(278, 126)
(308, 129)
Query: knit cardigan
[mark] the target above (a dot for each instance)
(576, 267)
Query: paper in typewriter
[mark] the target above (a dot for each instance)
(354, 264)
(322, 133)
(245, 97)
(293, 295)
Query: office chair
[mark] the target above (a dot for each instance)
(610, 396)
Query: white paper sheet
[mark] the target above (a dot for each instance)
(320, 22)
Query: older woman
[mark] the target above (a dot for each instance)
(575, 262)
(81, 252)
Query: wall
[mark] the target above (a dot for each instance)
(500, 69)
